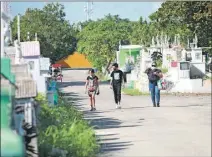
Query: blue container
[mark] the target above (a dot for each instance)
(52, 86)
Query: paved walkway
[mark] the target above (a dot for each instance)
(180, 127)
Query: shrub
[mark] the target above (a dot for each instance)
(64, 128)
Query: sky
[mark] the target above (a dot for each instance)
(75, 10)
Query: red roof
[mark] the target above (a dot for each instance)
(56, 65)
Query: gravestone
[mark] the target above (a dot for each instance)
(44, 75)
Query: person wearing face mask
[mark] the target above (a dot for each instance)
(92, 88)
(117, 77)
(154, 75)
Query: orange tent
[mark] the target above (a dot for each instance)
(76, 60)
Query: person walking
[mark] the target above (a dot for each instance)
(117, 77)
(92, 88)
(154, 76)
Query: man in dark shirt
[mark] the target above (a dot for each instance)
(153, 76)
(116, 84)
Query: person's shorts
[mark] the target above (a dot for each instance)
(92, 93)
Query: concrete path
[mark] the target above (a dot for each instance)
(180, 127)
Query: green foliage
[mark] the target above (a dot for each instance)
(56, 35)
(132, 92)
(102, 77)
(159, 62)
(99, 40)
(63, 127)
(141, 33)
(185, 18)
(176, 17)
(164, 70)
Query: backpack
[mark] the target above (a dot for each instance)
(152, 77)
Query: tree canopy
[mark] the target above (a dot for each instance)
(99, 40)
(185, 18)
(57, 37)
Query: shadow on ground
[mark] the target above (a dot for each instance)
(107, 123)
(113, 146)
(77, 83)
(107, 142)
(75, 99)
(171, 106)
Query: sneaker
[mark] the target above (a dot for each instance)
(158, 105)
(117, 106)
(91, 109)
(94, 109)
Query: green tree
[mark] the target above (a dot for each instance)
(185, 18)
(57, 37)
(99, 40)
(142, 32)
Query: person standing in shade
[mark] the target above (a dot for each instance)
(154, 75)
(92, 88)
(117, 77)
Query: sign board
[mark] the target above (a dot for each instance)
(44, 63)
(173, 64)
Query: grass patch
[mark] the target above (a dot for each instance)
(133, 92)
(62, 129)
(136, 92)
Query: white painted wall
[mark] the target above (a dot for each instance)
(197, 69)
(182, 86)
(166, 63)
(191, 86)
(173, 74)
(146, 61)
(196, 54)
(41, 85)
(184, 73)
(42, 88)
(44, 73)
(36, 74)
(36, 70)
(180, 78)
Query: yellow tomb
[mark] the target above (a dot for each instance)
(76, 60)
